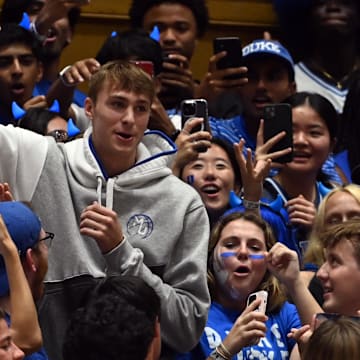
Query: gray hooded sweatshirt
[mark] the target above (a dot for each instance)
(163, 219)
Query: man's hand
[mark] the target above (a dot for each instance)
(80, 71)
(177, 74)
(54, 10)
(38, 101)
(5, 192)
(101, 224)
(215, 82)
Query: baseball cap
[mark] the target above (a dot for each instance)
(24, 227)
(263, 47)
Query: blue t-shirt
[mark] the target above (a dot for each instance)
(275, 345)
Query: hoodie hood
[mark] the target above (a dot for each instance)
(154, 156)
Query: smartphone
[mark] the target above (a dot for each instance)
(233, 58)
(277, 118)
(195, 108)
(147, 66)
(263, 295)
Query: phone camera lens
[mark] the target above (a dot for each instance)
(189, 109)
(252, 298)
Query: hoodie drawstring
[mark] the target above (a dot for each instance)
(109, 191)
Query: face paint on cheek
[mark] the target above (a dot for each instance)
(257, 256)
(190, 179)
(221, 273)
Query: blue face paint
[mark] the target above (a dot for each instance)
(257, 256)
(228, 254)
(190, 179)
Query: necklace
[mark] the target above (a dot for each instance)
(340, 84)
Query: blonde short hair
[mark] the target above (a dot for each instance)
(129, 77)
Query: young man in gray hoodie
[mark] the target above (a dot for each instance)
(115, 207)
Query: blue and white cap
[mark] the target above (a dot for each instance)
(263, 47)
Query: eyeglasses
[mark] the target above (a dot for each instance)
(59, 135)
(48, 238)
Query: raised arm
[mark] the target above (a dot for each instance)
(71, 76)
(24, 320)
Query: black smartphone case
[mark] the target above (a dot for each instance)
(277, 118)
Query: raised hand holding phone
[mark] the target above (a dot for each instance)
(233, 57)
(195, 108)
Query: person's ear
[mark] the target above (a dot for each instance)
(157, 85)
(333, 143)
(30, 263)
(293, 87)
(89, 108)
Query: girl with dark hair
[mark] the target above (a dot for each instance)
(300, 183)
(214, 174)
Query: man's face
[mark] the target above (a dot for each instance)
(40, 258)
(58, 36)
(177, 26)
(119, 119)
(19, 72)
(340, 278)
(329, 18)
(268, 83)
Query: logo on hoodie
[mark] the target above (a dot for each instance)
(141, 225)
